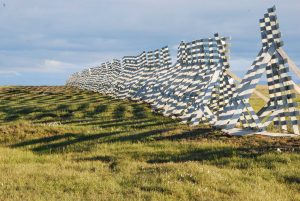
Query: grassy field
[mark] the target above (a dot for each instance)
(58, 143)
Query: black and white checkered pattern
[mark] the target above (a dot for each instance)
(198, 88)
(176, 90)
(281, 109)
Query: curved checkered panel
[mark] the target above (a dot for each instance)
(281, 108)
(269, 29)
(195, 84)
(196, 92)
(199, 86)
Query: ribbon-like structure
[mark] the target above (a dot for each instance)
(199, 87)
(281, 108)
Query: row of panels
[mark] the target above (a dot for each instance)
(199, 87)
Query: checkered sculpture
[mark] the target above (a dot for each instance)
(195, 88)
(199, 87)
(281, 109)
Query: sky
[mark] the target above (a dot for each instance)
(42, 42)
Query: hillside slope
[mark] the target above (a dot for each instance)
(63, 143)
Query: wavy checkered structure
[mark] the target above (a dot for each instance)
(154, 62)
(194, 89)
(281, 109)
(199, 87)
(191, 89)
(102, 79)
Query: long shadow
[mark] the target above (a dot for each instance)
(106, 159)
(62, 107)
(107, 123)
(189, 135)
(212, 155)
(15, 113)
(81, 121)
(216, 153)
(119, 112)
(79, 139)
(153, 123)
(99, 109)
(139, 136)
(139, 111)
(46, 114)
(292, 179)
(48, 146)
(221, 156)
(83, 106)
(43, 140)
(121, 122)
(47, 98)
(200, 154)
(12, 117)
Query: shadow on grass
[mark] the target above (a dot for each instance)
(152, 123)
(60, 142)
(12, 117)
(239, 158)
(233, 157)
(190, 135)
(119, 112)
(100, 109)
(139, 111)
(43, 140)
(143, 136)
(83, 106)
(292, 179)
(62, 107)
(15, 113)
(219, 156)
(45, 115)
(120, 123)
(100, 122)
(94, 122)
(49, 144)
(199, 154)
(105, 159)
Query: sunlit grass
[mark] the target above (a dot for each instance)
(58, 143)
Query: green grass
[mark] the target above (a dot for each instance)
(58, 143)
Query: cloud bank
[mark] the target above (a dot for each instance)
(43, 42)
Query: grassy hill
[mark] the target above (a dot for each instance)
(59, 143)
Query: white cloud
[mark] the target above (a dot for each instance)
(63, 36)
(45, 66)
(50, 65)
(9, 73)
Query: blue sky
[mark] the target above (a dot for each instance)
(42, 42)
